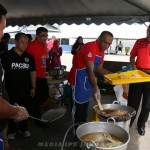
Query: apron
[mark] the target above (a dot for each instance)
(1, 142)
(83, 88)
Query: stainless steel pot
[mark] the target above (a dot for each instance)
(95, 127)
(123, 124)
(61, 72)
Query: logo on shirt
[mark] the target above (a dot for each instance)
(26, 59)
(20, 66)
(43, 60)
(89, 54)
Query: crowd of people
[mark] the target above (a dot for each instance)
(24, 87)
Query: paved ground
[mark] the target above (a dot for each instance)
(51, 138)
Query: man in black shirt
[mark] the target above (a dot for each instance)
(20, 78)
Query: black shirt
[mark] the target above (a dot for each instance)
(17, 71)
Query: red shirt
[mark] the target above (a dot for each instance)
(141, 50)
(39, 52)
(88, 53)
(50, 44)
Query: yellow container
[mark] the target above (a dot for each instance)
(127, 77)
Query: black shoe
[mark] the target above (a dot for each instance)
(141, 130)
(41, 124)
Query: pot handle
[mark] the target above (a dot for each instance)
(110, 119)
(116, 102)
(91, 144)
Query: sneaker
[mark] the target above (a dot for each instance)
(26, 134)
(12, 136)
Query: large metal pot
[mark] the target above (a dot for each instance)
(95, 127)
(124, 124)
(61, 72)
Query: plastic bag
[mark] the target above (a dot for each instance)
(121, 91)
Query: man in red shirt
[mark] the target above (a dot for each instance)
(82, 75)
(140, 59)
(38, 48)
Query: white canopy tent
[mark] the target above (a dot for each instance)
(24, 12)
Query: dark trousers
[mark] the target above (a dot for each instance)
(136, 91)
(22, 99)
(14, 126)
(80, 115)
(41, 95)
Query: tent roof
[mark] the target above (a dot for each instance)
(25, 12)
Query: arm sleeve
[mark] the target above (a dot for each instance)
(89, 52)
(134, 49)
(32, 64)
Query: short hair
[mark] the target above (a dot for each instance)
(29, 36)
(3, 11)
(18, 35)
(106, 32)
(79, 38)
(6, 35)
(41, 29)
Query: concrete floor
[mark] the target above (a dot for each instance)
(51, 138)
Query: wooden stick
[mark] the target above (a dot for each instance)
(100, 105)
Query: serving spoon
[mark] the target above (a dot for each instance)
(100, 105)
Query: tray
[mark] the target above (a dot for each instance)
(127, 77)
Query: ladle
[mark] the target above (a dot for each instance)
(100, 105)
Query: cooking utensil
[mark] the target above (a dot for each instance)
(107, 113)
(118, 115)
(53, 114)
(123, 122)
(104, 127)
(131, 111)
(46, 121)
(50, 115)
(100, 105)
